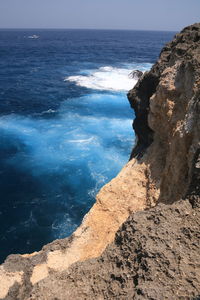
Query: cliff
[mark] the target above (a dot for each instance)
(155, 253)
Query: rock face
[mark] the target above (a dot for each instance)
(155, 253)
(166, 103)
(182, 54)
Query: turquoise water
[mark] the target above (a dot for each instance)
(65, 125)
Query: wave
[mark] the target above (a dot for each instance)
(108, 78)
(34, 36)
(60, 163)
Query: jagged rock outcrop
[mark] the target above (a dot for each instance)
(166, 104)
(183, 50)
(155, 253)
(135, 74)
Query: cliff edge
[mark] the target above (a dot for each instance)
(155, 253)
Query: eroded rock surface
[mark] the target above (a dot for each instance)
(155, 254)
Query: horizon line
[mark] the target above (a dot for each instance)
(106, 29)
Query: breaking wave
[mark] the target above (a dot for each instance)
(108, 78)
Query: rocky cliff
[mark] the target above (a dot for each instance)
(155, 253)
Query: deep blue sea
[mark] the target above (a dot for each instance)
(65, 125)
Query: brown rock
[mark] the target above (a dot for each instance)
(155, 253)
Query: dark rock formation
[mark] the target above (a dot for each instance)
(184, 48)
(136, 74)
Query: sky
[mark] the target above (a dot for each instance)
(170, 15)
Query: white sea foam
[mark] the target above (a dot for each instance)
(72, 155)
(86, 141)
(107, 78)
(34, 36)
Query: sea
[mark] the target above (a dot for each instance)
(65, 125)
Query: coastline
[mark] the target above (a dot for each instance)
(166, 99)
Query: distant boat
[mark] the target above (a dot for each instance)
(34, 36)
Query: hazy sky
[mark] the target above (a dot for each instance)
(102, 14)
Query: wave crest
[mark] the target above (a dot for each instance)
(107, 78)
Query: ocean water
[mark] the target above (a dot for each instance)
(65, 125)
